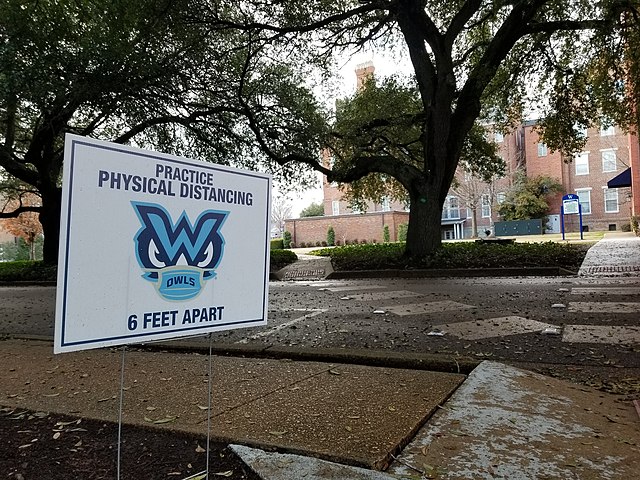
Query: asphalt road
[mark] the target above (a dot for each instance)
(591, 325)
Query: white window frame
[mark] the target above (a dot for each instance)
(501, 197)
(581, 160)
(498, 137)
(585, 199)
(583, 131)
(335, 207)
(542, 149)
(613, 193)
(485, 205)
(608, 131)
(448, 210)
(614, 160)
(386, 204)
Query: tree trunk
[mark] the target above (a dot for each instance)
(474, 222)
(425, 215)
(50, 220)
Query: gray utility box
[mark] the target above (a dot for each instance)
(518, 227)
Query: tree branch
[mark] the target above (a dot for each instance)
(463, 15)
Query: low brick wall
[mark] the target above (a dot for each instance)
(349, 228)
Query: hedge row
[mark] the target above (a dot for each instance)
(456, 255)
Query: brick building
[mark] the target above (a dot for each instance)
(605, 155)
(601, 175)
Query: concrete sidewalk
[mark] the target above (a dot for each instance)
(328, 418)
(501, 423)
(617, 254)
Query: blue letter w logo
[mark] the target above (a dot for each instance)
(178, 257)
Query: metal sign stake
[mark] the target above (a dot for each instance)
(124, 349)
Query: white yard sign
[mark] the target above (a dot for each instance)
(154, 246)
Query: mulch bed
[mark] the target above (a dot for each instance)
(45, 446)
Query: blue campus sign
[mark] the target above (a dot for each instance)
(571, 206)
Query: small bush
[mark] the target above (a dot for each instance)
(27, 271)
(625, 227)
(331, 236)
(363, 241)
(277, 244)
(281, 258)
(386, 236)
(324, 244)
(286, 239)
(338, 242)
(635, 224)
(402, 232)
(318, 243)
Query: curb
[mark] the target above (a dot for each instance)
(369, 358)
(454, 272)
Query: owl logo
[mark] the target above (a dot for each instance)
(178, 257)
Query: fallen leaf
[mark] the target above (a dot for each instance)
(203, 407)
(168, 419)
(151, 409)
(199, 449)
(334, 372)
(278, 434)
(228, 473)
(56, 435)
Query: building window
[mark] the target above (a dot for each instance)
(486, 206)
(451, 209)
(585, 200)
(581, 130)
(386, 204)
(609, 163)
(582, 163)
(500, 198)
(611, 200)
(498, 137)
(335, 207)
(542, 149)
(607, 131)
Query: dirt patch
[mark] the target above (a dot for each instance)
(40, 445)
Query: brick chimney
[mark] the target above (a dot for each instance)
(364, 71)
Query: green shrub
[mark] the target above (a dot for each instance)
(457, 255)
(331, 236)
(286, 239)
(635, 224)
(402, 232)
(27, 271)
(386, 236)
(277, 244)
(281, 258)
(625, 227)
